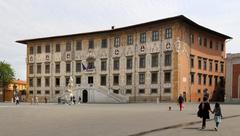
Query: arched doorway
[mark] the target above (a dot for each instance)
(85, 96)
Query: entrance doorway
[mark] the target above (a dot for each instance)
(85, 96)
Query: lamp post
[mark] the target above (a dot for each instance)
(181, 49)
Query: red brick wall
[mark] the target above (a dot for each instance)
(236, 73)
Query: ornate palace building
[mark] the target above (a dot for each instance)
(145, 62)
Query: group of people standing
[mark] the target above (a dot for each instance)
(204, 109)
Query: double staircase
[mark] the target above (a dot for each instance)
(100, 94)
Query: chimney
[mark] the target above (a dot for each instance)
(112, 27)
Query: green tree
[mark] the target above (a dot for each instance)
(6, 76)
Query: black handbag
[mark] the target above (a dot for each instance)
(200, 113)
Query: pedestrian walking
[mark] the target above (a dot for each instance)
(203, 111)
(180, 102)
(45, 99)
(79, 99)
(74, 100)
(217, 115)
(36, 99)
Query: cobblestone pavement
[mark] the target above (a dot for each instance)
(112, 120)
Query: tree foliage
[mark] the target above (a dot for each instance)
(6, 73)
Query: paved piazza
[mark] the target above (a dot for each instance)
(112, 120)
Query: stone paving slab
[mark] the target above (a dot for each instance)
(106, 119)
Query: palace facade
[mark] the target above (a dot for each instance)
(140, 63)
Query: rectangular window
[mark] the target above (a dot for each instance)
(154, 91)
(129, 79)
(57, 92)
(116, 91)
(216, 66)
(210, 65)
(205, 64)
(116, 64)
(141, 78)
(154, 77)
(31, 69)
(199, 91)
(58, 48)
(167, 90)
(31, 50)
(31, 82)
(210, 80)
(142, 61)
(204, 79)
(199, 79)
(57, 81)
(128, 91)
(39, 92)
(39, 49)
(192, 77)
(67, 81)
(91, 44)
(168, 33)
(115, 79)
(68, 67)
(155, 35)
(39, 82)
(192, 38)
(47, 92)
(154, 60)
(142, 37)
(199, 40)
(68, 46)
(199, 63)
(205, 42)
(103, 64)
(210, 45)
(141, 91)
(167, 77)
(129, 40)
(117, 42)
(104, 43)
(31, 92)
(192, 61)
(222, 47)
(79, 45)
(57, 67)
(39, 68)
(129, 63)
(78, 66)
(103, 80)
(168, 58)
(47, 81)
(47, 68)
(47, 48)
(78, 80)
(222, 67)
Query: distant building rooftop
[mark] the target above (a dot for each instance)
(180, 18)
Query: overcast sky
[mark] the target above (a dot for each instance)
(23, 19)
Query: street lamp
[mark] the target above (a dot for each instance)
(181, 49)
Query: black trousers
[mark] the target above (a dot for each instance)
(203, 122)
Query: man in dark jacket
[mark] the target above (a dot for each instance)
(180, 101)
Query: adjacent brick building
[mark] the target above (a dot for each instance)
(233, 77)
(143, 62)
